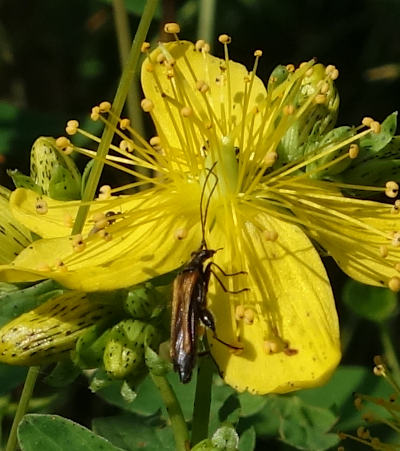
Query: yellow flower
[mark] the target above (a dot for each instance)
(262, 217)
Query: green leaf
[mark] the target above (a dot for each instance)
(230, 410)
(54, 433)
(10, 377)
(372, 303)
(135, 432)
(337, 394)
(147, 402)
(306, 427)
(251, 404)
(247, 441)
(374, 142)
(15, 303)
(64, 373)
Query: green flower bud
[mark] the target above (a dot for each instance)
(318, 118)
(124, 350)
(50, 331)
(53, 171)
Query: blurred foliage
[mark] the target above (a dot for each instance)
(57, 59)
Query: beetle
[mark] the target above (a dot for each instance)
(189, 300)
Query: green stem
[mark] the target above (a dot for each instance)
(202, 400)
(119, 100)
(22, 406)
(175, 414)
(389, 351)
(206, 24)
(124, 43)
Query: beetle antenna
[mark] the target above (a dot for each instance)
(203, 217)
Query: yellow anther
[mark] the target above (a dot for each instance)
(105, 107)
(68, 221)
(354, 150)
(126, 146)
(271, 346)
(270, 235)
(288, 109)
(180, 233)
(392, 189)
(124, 123)
(224, 39)
(170, 63)
(270, 159)
(375, 126)
(206, 48)
(309, 72)
(358, 403)
(60, 265)
(362, 432)
(64, 144)
(43, 267)
(72, 127)
(186, 111)
(397, 267)
(100, 221)
(324, 88)
(148, 67)
(394, 284)
(145, 47)
(41, 207)
(290, 67)
(368, 417)
(239, 312)
(334, 75)
(248, 316)
(320, 99)
(199, 45)
(161, 58)
(105, 235)
(155, 142)
(147, 105)
(95, 113)
(304, 63)
(78, 244)
(378, 360)
(396, 239)
(367, 121)
(383, 251)
(202, 86)
(172, 28)
(329, 69)
(258, 53)
(105, 192)
(376, 443)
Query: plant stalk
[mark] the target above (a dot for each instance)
(117, 105)
(202, 401)
(26, 395)
(175, 414)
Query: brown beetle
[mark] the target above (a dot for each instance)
(189, 300)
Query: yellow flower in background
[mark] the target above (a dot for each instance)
(262, 216)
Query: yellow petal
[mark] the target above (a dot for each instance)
(293, 308)
(189, 68)
(362, 236)
(56, 221)
(13, 235)
(144, 244)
